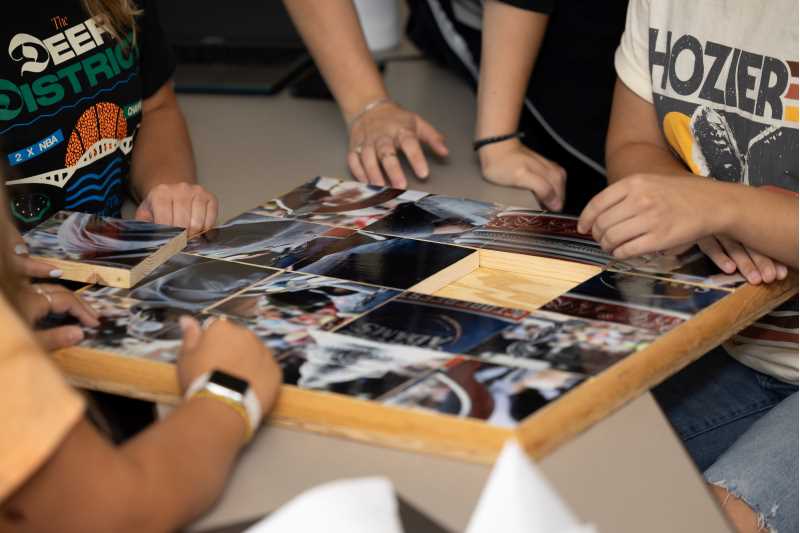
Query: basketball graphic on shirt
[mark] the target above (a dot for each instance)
(103, 121)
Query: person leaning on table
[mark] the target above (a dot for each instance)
(59, 473)
(700, 156)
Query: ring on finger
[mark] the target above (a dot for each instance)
(387, 155)
(43, 293)
(358, 149)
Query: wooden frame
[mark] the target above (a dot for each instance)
(497, 278)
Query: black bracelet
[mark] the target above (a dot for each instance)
(480, 143)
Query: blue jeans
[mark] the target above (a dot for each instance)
(741, 428)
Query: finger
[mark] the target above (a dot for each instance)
(354, 162)
(143, 212)
(370, 162)
(182, 212)
(782, 271)
(605, 200)
(432, 137)
(161, 207)
(628, 230)
(33, 268)
(192, 333)
(212, 212)
(611, 217)
(645, 244)
(713, 249)
(409, 143)
(387, 155)
(742, 259)
(64, 302)
(197, 215)
(765, 265)
(61, 337)
(557, 178)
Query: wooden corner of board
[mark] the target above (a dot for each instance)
(601, 395)
(90, 273)
(159, 257)
(448, 275)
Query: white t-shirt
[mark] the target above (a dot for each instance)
(723, 78)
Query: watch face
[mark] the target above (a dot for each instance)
(224, 379)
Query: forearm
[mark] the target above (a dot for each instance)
(642, 158)
(163, 150)
(162, 479)
(511, 41)
(333, 35)
(763, 220)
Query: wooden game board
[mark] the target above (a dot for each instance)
(476, 279)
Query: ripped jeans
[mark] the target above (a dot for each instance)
(741, 429)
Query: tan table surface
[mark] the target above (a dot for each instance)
(626, 474)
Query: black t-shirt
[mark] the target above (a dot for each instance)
(70, 106)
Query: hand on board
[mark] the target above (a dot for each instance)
(381, 135)
(647, 213)
(185, 205)
(730, 256)
(225, 346)
(512, 164)
(39, 300)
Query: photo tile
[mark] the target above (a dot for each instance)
(379, 260)
(437, 218)
(530, 232)
(292, 303)
(433, 323)
(135, 329)
(657, 321)
(199, 284)
(265, 241)
(347, 204)
(691, 267)
(648, 293)
(551, 340)
(98, 240)
(501, 395)
(355, 367)
(282, 338)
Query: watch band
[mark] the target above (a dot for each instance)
(217, 385)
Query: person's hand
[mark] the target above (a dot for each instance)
(24, 264)
(231, 349)
(185, 205)
(647, 213)
(512, 164)
(730, 256)
(379, 136)
(38, 300)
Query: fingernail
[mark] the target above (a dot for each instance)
(21, 249)
(729, 267)
(56, 273)
(755, 279)
(185, 322)
(75, 335)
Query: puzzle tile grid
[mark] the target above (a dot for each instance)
(322, 276)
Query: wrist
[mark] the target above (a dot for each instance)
(726, 210)
(492, 152)
(355, 105)
(220, 416)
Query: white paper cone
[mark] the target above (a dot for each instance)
(366, 505)
(518, 499)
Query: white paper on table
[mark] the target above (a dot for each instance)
(519, 499)
(366, 505)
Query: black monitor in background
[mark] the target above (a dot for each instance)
(233, 46)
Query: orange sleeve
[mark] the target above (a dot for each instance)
(38, 408)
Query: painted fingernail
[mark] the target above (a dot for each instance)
(21, 249)
(56, 273)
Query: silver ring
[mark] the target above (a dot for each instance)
(46, 295)
(358, 149)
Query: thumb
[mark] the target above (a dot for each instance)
(192, 333)
(61, 337)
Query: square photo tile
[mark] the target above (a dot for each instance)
(348, 204)
(433, 323)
